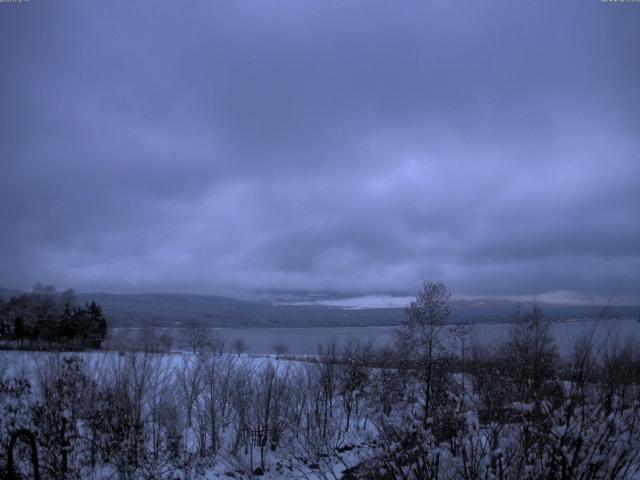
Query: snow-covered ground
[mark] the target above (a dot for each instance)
(166, 376)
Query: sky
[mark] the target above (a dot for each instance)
(340, 149)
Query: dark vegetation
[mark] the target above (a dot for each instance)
(46, 319)
(428, 406)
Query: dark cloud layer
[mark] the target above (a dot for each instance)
(345, 147)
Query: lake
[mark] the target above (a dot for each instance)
(307, 340)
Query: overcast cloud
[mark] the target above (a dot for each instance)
(351, 148)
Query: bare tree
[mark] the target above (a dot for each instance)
(196, 336)
(279, 348)
(216, 400)
(353, 377)
(240, 346)
(532, 357)
(189, 378)
(420, 341)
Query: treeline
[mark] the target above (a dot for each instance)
(428, 406)
(46, 318)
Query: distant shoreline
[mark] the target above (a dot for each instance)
(379, 327)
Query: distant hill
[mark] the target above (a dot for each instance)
(216, 311)
(8, 293)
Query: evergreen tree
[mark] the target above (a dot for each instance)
(19, 330)
(97, 328)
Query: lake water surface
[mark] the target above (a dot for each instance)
(307, 340)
